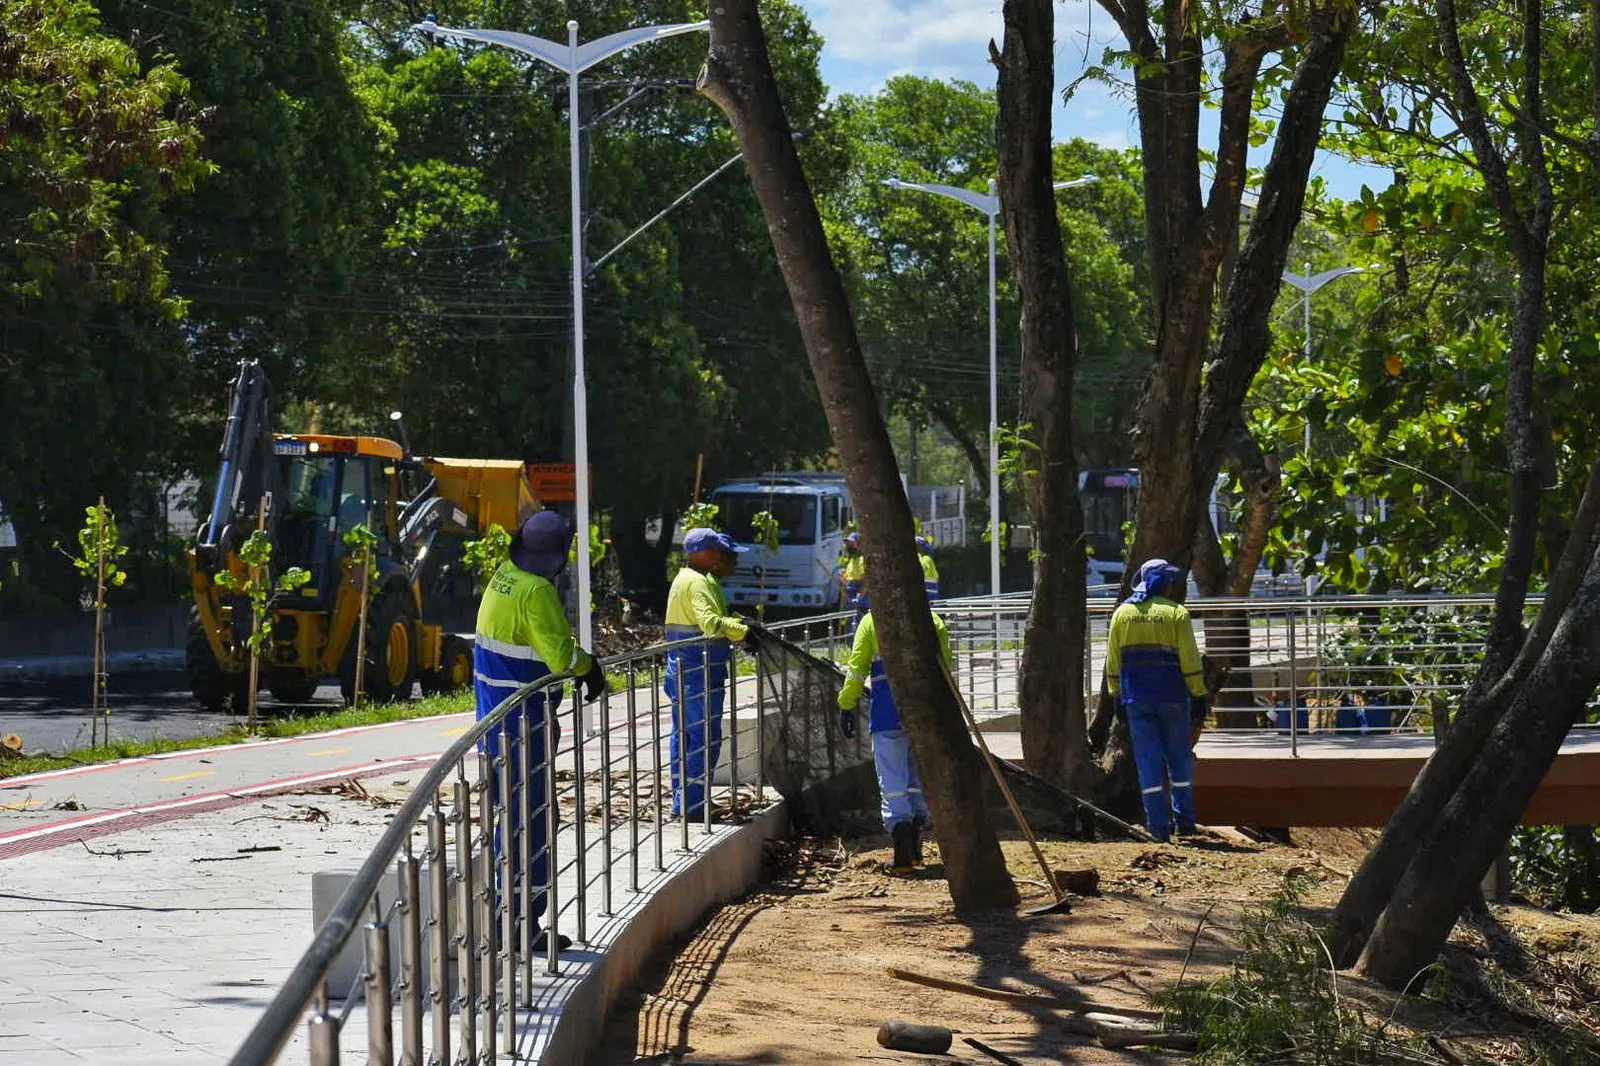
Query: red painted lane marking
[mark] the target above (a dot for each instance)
(39, 838)
(73, 771)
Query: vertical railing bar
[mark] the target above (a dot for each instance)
(506, 900)
(439, 951)
(580, 827)
(380, 1005)
(655, 760)
(407, 871)
(467, 940)
(633, 778)
(605, 801)
(552, 813)
(485, 903)
(525, 854)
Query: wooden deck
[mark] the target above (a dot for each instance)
(1252, 778)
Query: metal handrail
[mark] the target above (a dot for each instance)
(275, 1027)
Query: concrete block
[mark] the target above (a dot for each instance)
(327, 886)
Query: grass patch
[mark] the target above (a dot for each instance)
(289, 726)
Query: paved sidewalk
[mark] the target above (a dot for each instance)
(162, 944)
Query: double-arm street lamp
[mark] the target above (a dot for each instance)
(989, 204)
(1308, 283)
(573, 59)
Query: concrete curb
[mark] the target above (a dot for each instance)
(151, 661)
(574, 1008)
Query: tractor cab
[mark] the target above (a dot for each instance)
(330, 486)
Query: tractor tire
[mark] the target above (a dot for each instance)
(390, 672)
(290, 685)
(455, 668)
(211, 687)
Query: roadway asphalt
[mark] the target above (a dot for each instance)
(51, 715)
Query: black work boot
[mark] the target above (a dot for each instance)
(905, 848)
(916, 839)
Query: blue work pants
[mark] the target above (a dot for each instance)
(899, 784)
(1160, 734)
(694, 682)
(507, 738)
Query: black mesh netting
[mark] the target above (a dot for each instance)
(816, 770)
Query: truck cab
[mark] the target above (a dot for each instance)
(812, 512)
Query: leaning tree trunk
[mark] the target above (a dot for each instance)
(738, 79)
(1054, 733)
(1472, 830)
(1508, 655)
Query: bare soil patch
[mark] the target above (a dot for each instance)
(796, 973)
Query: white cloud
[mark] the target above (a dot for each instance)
(904, 32)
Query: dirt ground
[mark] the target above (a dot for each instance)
(796, 973)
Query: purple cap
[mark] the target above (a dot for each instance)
(540, 547)
(702, 539)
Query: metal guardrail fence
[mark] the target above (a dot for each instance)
(1322, 665)
(1295, 665)
(462, 912)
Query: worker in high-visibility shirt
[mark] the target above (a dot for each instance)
(854, 574)
(523, 635)
(1153, 667)
(904, 810)
(930, 569)
(697, 673)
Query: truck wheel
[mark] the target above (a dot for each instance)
(455, 668)
(390, 671)
(289, 685)
(209, 684)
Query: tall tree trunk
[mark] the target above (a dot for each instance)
(1509, 656)
(1473, 827)
(738, 79)
(1054, 733)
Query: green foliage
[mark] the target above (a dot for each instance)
(258, 586)
(1018, 453)
(765, 526)
(485, 555)
(93, 145)
(100, 545)
(1557, 867)
(701, 516)
(1005, 536)
(917, 264)
(363, 545)
(1280, 999)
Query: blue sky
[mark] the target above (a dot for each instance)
(870, 41)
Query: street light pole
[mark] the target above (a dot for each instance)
(990, 205)
(573, 59)
(1308, 283)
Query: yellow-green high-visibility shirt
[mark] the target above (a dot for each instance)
(1151, 656)
(695, 607)
(523, 632)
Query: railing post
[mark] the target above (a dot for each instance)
(655, 760)
(467, 939)
(486, 896)
(580, 828)
(605, 800)
(552, 821)
(322, 1033)
(1294, 690)
(633, 781)
(733, 736)
(526, 759)
(506, 903)
(439, 946)
(410, 958)
(380, 1007)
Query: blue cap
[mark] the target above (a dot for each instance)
(540, 546)
(1157, 577)
(703, 539)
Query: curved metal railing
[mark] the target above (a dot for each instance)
(471, 900)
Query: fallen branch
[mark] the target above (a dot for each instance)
(1170, 1041)
(1095, 1024)
(1024, 999)
(1445, 1051)
(115, 854)
(1137, 832)
(998, 1056)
